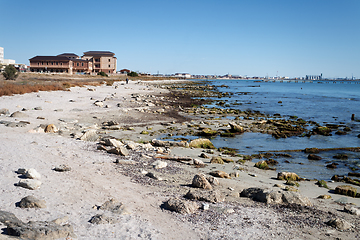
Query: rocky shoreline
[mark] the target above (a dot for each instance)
(165, 188)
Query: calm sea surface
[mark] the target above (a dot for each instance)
(322, 102)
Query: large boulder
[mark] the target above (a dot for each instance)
(213, 196)
(346, 190)
(31, 202)
(201, 143)
(181, 206)
(271, 196)
(200, 181)
(288, 176)
(43, 230)
(31, 184)
(217, 160)
(236, 128)
(220, 174)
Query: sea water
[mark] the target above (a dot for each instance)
(320, 101)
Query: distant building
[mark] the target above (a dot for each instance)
(5, 61)
(124, 71)
(183, 75)
(313, 77)
(91, 63)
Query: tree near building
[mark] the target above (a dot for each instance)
(10, 72)
(132, 74)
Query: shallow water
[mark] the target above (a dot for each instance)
(317, 101)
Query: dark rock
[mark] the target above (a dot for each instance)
(31, 202)
(35, 229)
(314, 157)
(332, 165)
(311, 150)
(217, 159)
(340, 133)
(325, 131)
(341, 156)
(346, 190)
(354, 174)
(200, 181)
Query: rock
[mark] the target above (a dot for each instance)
(200, 181)
(62, 168)
(212, 196)
(234, 174)
(332, 165)
(325, 196)
(288, 176)
(159, 164)
(99, 103)
(340, 224)
(346, 190)
(31, 184)
(102, 219)
(35, 229)
(198, 162)
(311, 150)
(203, 155)
(131, 145)
(90, 136)
(314, 157)
(262, 165)
(322, 131)
(114, 206)
(21, 171)
(111, 142)
(125, 162)
(291, 189)
(216, 159)
(235, 128)
(352, 210)
(4, 111)
(31, 202)
(38, 108)
(153, 176)
(32, 174)
(220, 174)
(201, 143)
(270, 196)
(51, 128)
(181, 206)
(38, 129)
(19, 115)
(213, 181)
(159, 143)
(119, 151)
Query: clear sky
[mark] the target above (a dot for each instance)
(253, 37)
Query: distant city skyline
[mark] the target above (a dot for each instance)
(247, 38)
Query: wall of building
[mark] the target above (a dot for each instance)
(1, 54)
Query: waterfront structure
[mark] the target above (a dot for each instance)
(313, 77)
(91, 62)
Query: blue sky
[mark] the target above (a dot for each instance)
(253, 37)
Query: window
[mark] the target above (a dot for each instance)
(77, 64)
(61, 64)
(109, 65)
(42, 63)
(57, 63)
(38, 63)
(82, 64)
(109, 60)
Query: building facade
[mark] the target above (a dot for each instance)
(91, 62)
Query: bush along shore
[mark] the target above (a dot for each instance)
(158, 136)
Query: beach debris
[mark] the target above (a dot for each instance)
(176, 158)
(200, 181)
(31, 184)
(51, 128)
(35, 229)
(339, 224)
(31, 202)
(220, 174)
(212, 196)
(181, 206)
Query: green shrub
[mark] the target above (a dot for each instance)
(10, 72)
(132, 74)
(102, 74)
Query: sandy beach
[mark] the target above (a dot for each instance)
(85, 117)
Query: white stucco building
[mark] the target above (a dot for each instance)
(5, 61)
(1, 55)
